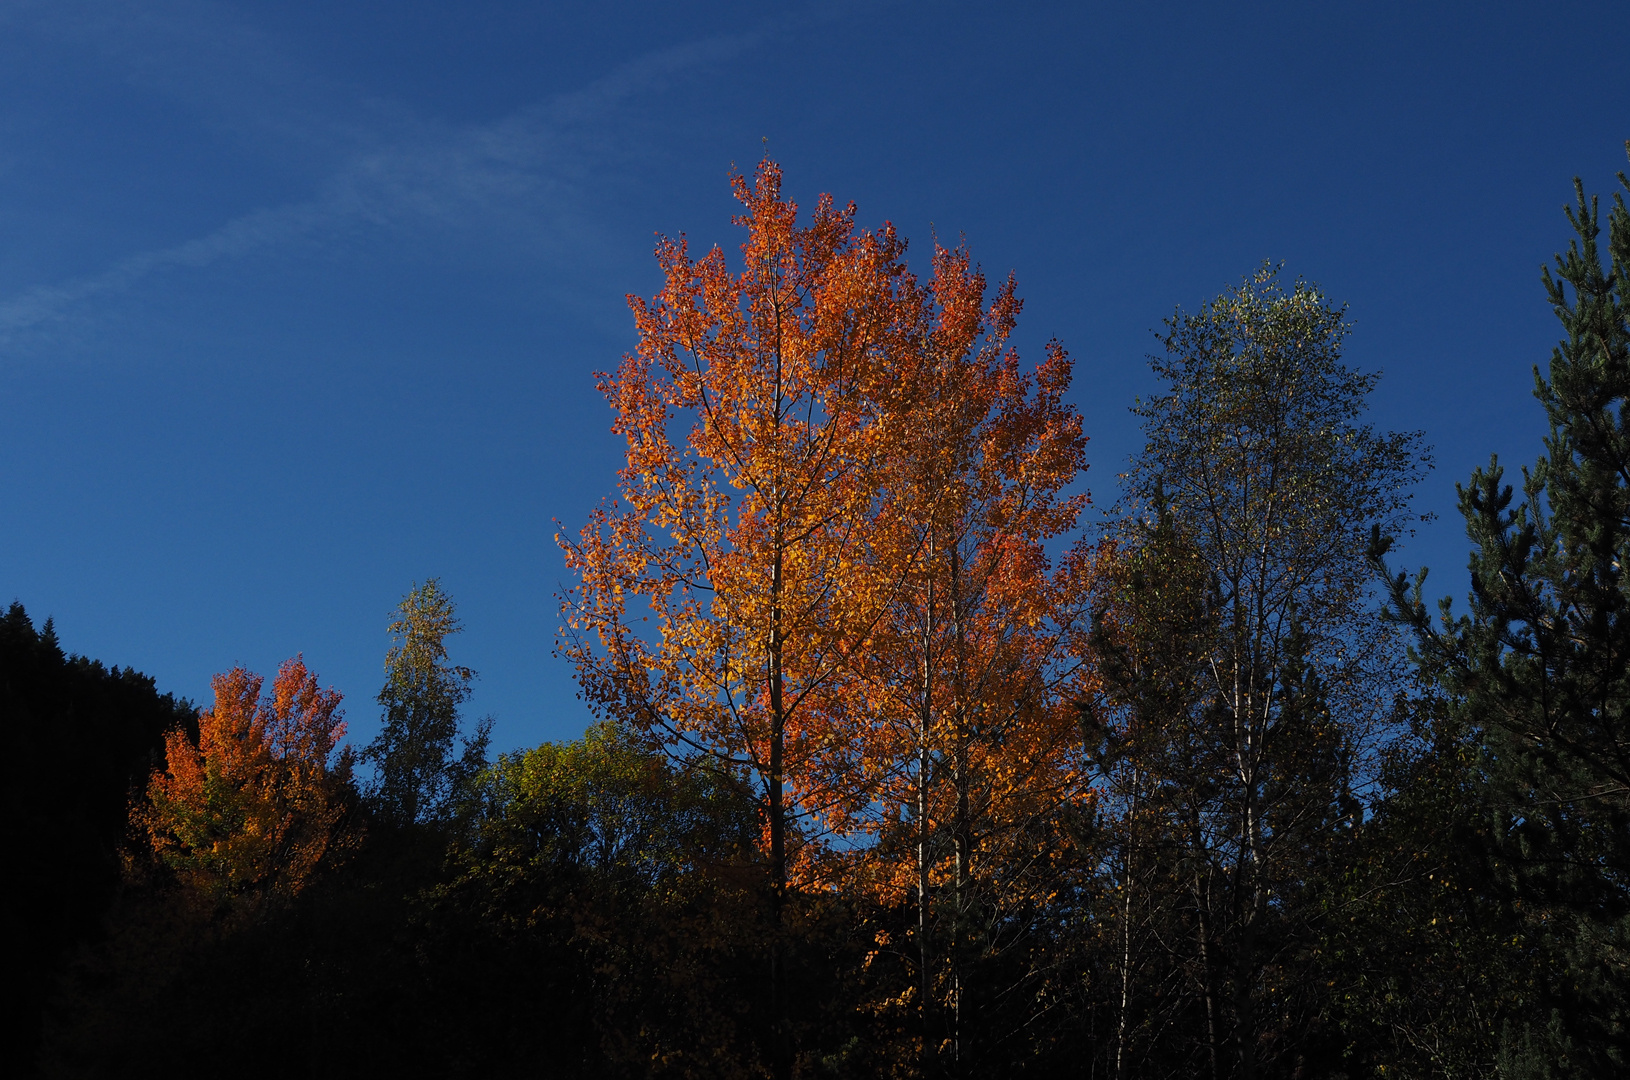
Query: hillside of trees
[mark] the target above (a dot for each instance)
(902, 766)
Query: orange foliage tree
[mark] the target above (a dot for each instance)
(719, 598)
(972, 746)
(828, 566)
(257, 803)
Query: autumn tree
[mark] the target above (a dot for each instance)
(1244, 658)
(714, 598)
(256, 804)
(968, 747)
(417, 776)
(722, 596)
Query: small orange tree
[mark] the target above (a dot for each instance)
(257, 803)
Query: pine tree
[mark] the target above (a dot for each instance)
(1539, 668)
(417, 778)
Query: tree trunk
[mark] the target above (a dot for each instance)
(775, 783)
(1126, 932)
(1208, 981)
(1244, 964)
(924, 760)
(963, 831)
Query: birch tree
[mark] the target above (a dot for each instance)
(1259, 470)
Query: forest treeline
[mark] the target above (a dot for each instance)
(903, 767)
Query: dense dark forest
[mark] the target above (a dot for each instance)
(900, 768)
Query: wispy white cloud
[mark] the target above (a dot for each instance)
(532, 165)
(45, 304)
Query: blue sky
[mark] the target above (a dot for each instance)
(299, 302)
